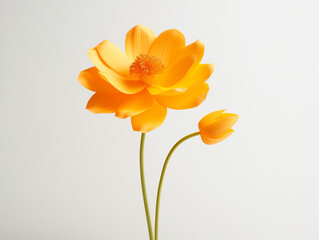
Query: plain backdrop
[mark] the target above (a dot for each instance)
(68, 174)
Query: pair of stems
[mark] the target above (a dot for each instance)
(147, 212)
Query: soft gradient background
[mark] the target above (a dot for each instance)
(68, 174)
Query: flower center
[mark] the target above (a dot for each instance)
(146, 66)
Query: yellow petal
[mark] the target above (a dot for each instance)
(196, 48)
(167, 44)
(134, 104)
(150, 119)
(121, 83)
(138, 41)
(223, 123)
(209, 118)
(166, 91)
(100, 103)
(114, 57)
(172, 92)
(155, 90)
(190, 99)
(123, 105)
(91, 80)
(195, 76)
(96, 60)
(210, 141)
(175, 73)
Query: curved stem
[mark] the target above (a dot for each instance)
(147, 211)
(162, 178)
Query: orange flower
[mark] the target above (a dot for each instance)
(216, 126)
(154, 73)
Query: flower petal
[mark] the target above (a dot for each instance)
(171, 92)
(222, 124)
(114, 57)
(96, 60)
(167, 44)
(209, 118)
(91, 80)
(195, 76)
(150, 119)
(175, 73)
(100, 103)
(210, 141)
(190, 99)
(165, 91)
(123, 105)
(121, 83)
(118, 81)
(196, 48)
(132, 105)
(154, 90)
(138, 41)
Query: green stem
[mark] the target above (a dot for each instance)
(162, 178)
(147, 211)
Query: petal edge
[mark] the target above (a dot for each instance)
(150, 119)
(138, 41)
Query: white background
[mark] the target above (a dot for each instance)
(68, 174)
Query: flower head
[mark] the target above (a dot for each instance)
(216, 126)
(154, 73)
